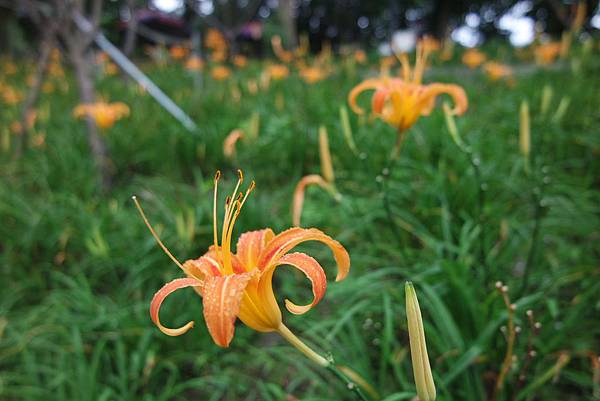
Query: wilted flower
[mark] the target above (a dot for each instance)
(104, 114)
(220, 72)
(524, 132)
(401, 101)
(239, 285)
(473, 58)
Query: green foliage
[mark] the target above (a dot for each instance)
(78, 268)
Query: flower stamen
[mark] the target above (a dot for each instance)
(154, 234)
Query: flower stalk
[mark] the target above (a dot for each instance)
(326, 363)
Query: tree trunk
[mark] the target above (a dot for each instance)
(287, 21)
(82, 63)
(440, 18)
(131, 33)
(46, 44)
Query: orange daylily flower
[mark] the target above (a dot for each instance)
(179, 52)
(104, 114)
(401, 101)
(546, 53)
(277, 72)
(240, 61)
(360, 56)
(218, 56)
(312, 75)
(10, 95)
(220, 72)
(240, 285)
(473, 58)
(496, 71)
(215, 40)
(194, 63)
(430, 43)
(282, 54)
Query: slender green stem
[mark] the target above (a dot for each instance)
(327, 363)
(476, 165)
(537, 199)
(385, 177)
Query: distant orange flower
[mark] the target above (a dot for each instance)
(179, 52)
(496, 71)
(9, 68)
(401, 101)
(220, 72)
(430, 43)
(218, 56)
(194, 63)
(313, 74)
(282, 54)
(360, 56)
(240, 61)
(110, 68)
(386, 63)
(546, 53)
(473, 58)
(104, 114)
(252, 86)
(10, 95)
(240, 285)
(215, 40)
(277, 72)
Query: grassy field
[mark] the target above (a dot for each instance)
(79, 268)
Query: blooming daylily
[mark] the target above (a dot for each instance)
(220, 72)
(239, 285)
(104, 114)
(194, 63)
(473, 58)
(314, 74)
(401, 101)
(277, 72)
(546, 53)
(496, 71)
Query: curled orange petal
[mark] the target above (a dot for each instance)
(160, 296)
(287, 240)
(457, 93)
(373, 83)
(298, 202)
(313, 271)
(230, 141)
(221, 298)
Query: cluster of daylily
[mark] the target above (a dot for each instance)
(239, 285)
